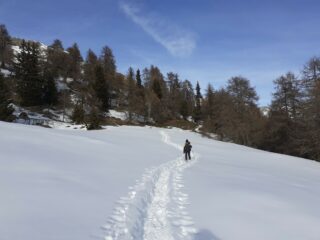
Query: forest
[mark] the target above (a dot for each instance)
(36, 76)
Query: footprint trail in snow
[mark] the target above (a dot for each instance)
(155, 208)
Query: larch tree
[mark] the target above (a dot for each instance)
(283, 127)
(89, 67)
(311, 107)
(57, 60)
(75, 61)
(175, 97)
(108, 63)
(188, 99)
(246, 121)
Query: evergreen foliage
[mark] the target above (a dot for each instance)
(6, 53)
(197, 110)
(78, 114)
(101, 88)
(5, 110)
(94, 120)
(138, 79)
(75, 59)
(57, 60)
(50, 96)
(131, 95)
(61, 79)
(30, 83)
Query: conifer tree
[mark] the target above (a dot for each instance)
(5, 110)
(146, 76)
(197, 110)
(245, 120)
(156, 95)
(89, 66)
(108, 63)
(311, 109)
(101, 88)
(78, 114)
(50, 89)
(58, 60)
(140, 107)
(6, 53)
(131, 93)
(93, 121)
(210, 115)
(156, 87)
(175, 97)
(209, 104)
(157, 82)
(241, 91)
(75, 60)
(288, 97)
(188, 99)
(30, 84)
(138, 79)
(57, 45)
(281, 133)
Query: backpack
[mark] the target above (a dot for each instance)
(187, 148)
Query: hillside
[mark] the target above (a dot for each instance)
(132, 183)
(54, 84)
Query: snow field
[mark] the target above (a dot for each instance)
(155, 208)
(63, 185)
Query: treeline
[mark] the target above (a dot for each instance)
(292, 124)
(60, 78)
(57, 77)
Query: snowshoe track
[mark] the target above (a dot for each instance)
(155, 208)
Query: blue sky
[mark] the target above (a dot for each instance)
(202, 40)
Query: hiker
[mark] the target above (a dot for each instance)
(187, 150)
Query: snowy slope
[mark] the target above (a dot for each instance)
(131, 183)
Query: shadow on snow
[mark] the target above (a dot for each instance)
(205, 234)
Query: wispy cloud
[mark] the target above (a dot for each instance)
(177, 41)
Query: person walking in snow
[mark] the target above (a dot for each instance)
(187, 150)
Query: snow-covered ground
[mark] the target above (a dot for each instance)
(132, 183)
(5, 72)
(117, 114)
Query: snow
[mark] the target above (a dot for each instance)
(117, 114)
(69, 80)
(66, 125)
(16, 49)
(5, 72)
(155, 206)
(61, 86)
(189, 118)
(43, 47)
(124, 116)
(265, 111)
(18, 110)
(57, 120)
(132, 183)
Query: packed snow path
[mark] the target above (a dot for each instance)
(155, 208)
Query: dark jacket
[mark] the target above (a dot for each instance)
(187, 148)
